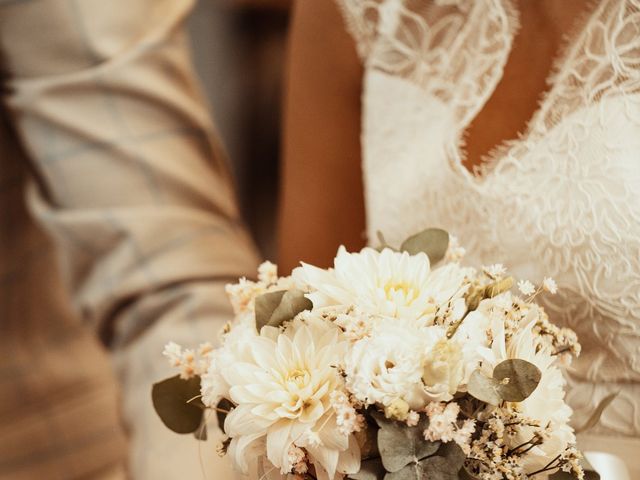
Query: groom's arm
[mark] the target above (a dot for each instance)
(132, 185)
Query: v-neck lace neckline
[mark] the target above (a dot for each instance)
(490, 161)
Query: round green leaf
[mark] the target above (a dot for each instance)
(432, 241)
(274, 308)
(445, 465)
(170, 399)
(521, 377)
(400, 445)
(413, 471)
(371, 469)
(265, 305)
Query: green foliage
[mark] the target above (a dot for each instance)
(522, 379)
(401, 445)
(371, 469)
(406, 455)
(274, 308)
(445, 465)
(171, 401)
(513, 381)
(432, 241)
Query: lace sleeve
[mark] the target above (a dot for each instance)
(453, 50)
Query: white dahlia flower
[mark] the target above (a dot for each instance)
(546, 404)
(282, 391)
(386, 283)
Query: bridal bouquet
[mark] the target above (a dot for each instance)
(395, 364)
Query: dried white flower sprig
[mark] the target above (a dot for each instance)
(191, 363)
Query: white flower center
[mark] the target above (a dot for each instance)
(297, 379)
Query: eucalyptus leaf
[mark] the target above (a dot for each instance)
(371, 469)
(274, 308)
(401, 445)
(513, 381)
(454, 455)
(223, 409)
(413, 471)
(443, 466)
(432, 241)
(593, 420)
(170, 400)
(483, 388)
(521, 377)
(293, 302)
(265, 305)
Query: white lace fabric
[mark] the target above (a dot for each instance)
(563, 200)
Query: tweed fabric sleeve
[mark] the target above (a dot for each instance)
(132, 185)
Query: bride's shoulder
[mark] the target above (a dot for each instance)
(371, 22)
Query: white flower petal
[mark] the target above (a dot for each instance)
(278, 443)
(327, 458)
(238, 450)
(242, 422)
(349, 460)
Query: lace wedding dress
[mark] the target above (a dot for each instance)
(561, 200)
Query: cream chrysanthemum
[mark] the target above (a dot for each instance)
(282, 392)
(386, 283)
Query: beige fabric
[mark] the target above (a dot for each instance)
(130, 183)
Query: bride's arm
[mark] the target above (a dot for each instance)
(321, 196)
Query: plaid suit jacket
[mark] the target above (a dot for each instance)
(118, 229)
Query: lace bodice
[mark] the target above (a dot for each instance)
(561, 200)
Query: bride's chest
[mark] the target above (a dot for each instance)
(568, 197)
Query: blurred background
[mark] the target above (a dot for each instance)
(239, 49)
